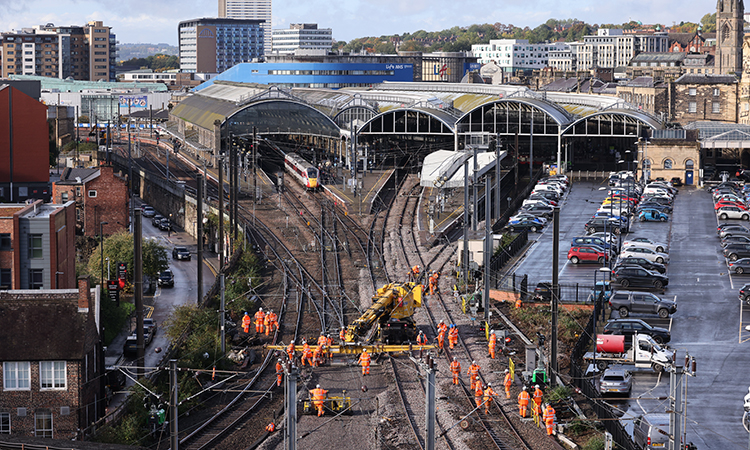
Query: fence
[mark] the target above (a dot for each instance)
(569, 293)
(508, 252)
(588, 175)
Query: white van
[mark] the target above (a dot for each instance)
(651, 431)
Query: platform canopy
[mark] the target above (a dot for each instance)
(444, 168)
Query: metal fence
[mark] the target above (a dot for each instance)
(518, 283)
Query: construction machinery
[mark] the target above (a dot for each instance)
(332, 404)
(392, 310)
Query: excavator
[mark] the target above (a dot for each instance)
(392, 309)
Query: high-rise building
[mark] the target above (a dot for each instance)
(80, 52)
(729, 36)
(304, 36)
(250, 9)
(215, 45)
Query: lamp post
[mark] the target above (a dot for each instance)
(107, 259)
(597, 305)
(169, 228)
(101, 245)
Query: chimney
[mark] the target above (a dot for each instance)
(84, 292)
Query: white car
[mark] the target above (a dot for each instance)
(608, 237)
(643, 252)
(549, 187)
(529, 201)
(732, 212)
(647, 243)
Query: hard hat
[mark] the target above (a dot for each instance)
(304, 342)
(279, 359)
(441, 320)
(260, 309)
(474, 362)
(507, 371)
(489, 384)
(524, 388)
(318, 386)
(245, 312)
(536, 386)
(454, 358)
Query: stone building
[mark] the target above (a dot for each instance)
(705, 97)
(729, 36)
(672, 153)
(647, 94)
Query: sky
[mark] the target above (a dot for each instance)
(148, 21)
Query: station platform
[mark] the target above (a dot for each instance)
(375, 185)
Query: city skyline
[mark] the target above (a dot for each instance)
(138, 21)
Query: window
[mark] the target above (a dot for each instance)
(4, 423)
(667, 163)
(5, 242)
(92, 193)
(52, 375)
(689, 164)
(716, 92)
(35, 246)
(17, 376)
(43, 424)
(691, 92)
(5, 278)
(36, 278)
(692, 107)
(64, 196)
(715, 108)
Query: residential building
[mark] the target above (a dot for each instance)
(697, 42)
(729, 36)
(216, 45)
(706, 97)
(252, 10)
(100, 195)
(516, 54)
(37, 245)
(79, 52)
(564, 59)
(24, 146)
(51, 381)
(306, 36)
(647, 94)
(611, 48)
(656, 65)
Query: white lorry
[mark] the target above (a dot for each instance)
(643, 353)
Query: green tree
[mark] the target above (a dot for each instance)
(412, 46)
(709, 23)
(119, 247)
(385, 48)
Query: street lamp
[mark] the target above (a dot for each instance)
(101, 244)
(597, 298)
(169, 228)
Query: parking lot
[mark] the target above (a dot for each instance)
(709, 322)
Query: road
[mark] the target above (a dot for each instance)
(708, 324)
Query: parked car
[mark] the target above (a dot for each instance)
(676, 181)
(148, 335)
(157, 218)
(653, 205)
(550, 195)
(735, 240)
(740, 266)
(533, 225)
(733, 252)
(593, 240)
(539, 210)
(596, 224)
(630, 326)
(150, 323)
(652, 215)
(644, 252)
(541, 198)
(745, 293)
(131, 345)
(524, 215)
(165, 224)
(166, 278)
(638, 276)
(148, 211)
(536, 201)
(616, 380)
(587, 253)
(651, 431)
(614, 215)
(732, 212)
(181, 253)
(643, 262)
(602, 287)
(543, 291)
(611, 238)
(647, 243)
(721, 204)
(626, 302)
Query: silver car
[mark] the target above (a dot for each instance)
(732, 212)
(616, 380)
(643, 252)
(647, 243)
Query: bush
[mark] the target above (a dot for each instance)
(578, 427)
(595, 443)
(114, 318)
(557, 394)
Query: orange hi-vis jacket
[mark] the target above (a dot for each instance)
(364, 359)
(260, 316)
(246, 320)
(473, 371)
(455, 367)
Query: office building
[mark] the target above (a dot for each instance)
(610, 48)
(79, 52)
(305, 36)
(252, 10)
(215, 45)
(514, 55)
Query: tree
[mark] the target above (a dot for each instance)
(385, 48)
(709, 23)
(119, 247)
(412, 46)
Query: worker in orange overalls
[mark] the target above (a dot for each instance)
(455, 370)
(441, 339)
(489, 395)
(322, 339)
(478, 394)
(453, 336)
(442, 326)
(421, 338)
(267, 323)
(342, 335)
(473, 373)
(307, 354)
(537, 396)
(260, 316)
(273, 322)
(549, 419)
(492, 345)
(518, 302)
(271, 427)
(246, 322)
(317, 359)
(279, 372)
(318, 397)
(414, 273)
(290, 351)
(523, 402)
(364, 361)
(507, 382)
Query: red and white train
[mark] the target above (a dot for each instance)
(302, 171)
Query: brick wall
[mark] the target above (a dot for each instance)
(703, 101)
(110, 204)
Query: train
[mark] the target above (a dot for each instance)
(302, 171)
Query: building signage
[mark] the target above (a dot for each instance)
(134, 101)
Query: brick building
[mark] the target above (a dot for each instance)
(37, 246)
(50, 382)
(24, 147)
(706, 97)
(100, 195)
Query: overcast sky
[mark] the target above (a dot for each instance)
(149, 21)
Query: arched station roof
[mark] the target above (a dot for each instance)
(617, 123)
(281, 116)
(410, 121)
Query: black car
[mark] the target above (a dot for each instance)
(638, 276)
(131, 345)
(165, 225)
(543, 291)
(626, 302)
(745, 293)
(549, 195)
(736, 251)
(628, 327)
(532, 225)
(676, 181)
(181, 253)
(741, 239)
(596, 224)
(539, 210)
(653, 205)
(157, 218)
(642, 262)
(166, 278)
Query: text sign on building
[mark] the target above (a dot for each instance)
(133, 101)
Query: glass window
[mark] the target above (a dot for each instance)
(716, 92)
(715, 108)
(36, 278)
(689, 164)
(43, 424)
(4, 423)
(92, 193)
(5, 278)
(667, 163)
(691, 92)
(692, 107)
(5, 242)
(52, 375)
(35, 246)
(64, 196)
(17, 376)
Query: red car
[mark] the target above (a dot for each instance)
(740, 205)
(586, 253)
(632, 200)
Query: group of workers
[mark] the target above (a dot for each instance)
(547, 412)
(432, 278)
(264, 322)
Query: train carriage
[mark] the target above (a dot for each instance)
(302, 171)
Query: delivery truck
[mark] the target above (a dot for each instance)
(643, 353)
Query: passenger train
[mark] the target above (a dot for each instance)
(302, 171)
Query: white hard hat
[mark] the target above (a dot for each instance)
(474, 362)
(507, 371)
(319, 386)
(454, 358)
(524, 388)
(536, 386)
(260, 309)
(489, 384)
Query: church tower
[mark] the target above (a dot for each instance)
(729, 36)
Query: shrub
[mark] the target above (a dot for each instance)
(594, 443)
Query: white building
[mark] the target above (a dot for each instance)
(610, 48)
(250, 9)
(305, 36)
(515, 54)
